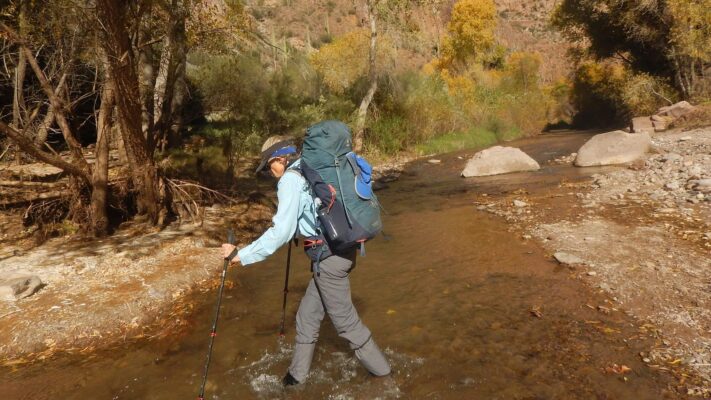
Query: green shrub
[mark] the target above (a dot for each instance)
(387, 135)
(474, 138)
(643, 94)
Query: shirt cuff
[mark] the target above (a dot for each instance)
(245, 258)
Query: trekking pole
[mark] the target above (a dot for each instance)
(286, 290)
(213, 333)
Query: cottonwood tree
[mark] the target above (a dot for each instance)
(470, 34)
(137, 52)
(363, 53)
(662, 38)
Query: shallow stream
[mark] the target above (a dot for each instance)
(452, 297)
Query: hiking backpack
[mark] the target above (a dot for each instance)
(348, 211)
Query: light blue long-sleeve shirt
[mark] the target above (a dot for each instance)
(296, 213)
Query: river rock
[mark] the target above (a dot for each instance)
(659, 126)
(567, 259)
(616, 147)
(499, 160)
(642, 125)
(676, 110)
(18, 285)
(702, 185)
(671, 157)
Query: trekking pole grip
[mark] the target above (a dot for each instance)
(230, 236)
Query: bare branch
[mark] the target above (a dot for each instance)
(55, 101)
(29, 147)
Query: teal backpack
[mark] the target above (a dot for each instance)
(348, 210)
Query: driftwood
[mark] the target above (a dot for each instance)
(31, 184)
(30, 197)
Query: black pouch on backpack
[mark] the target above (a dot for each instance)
(317, 248)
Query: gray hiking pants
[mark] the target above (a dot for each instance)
(335, 291)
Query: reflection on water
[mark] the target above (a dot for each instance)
(449, 298)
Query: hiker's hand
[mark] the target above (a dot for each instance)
(227, 249)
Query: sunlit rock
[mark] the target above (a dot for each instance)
(676, 110)
(499, 160)
(18, 285)
(616, 147)
(642, 125)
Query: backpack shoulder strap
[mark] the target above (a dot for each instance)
(296, 171)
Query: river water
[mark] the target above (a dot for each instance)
(449, 297)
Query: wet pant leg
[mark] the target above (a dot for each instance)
(332, 289)
(308, 323)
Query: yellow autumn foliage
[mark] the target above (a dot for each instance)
(691, 30)
(342, 62)
(470, 32)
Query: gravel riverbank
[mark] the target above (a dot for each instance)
(642, 234)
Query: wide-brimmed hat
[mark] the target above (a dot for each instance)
(276, 146)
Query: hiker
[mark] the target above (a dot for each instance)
(329, 289)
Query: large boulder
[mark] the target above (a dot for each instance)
(17, 285)
(642, 125)
(616, 147)
(499, 160)
(676, 110)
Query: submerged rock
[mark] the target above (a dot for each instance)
(568, 259)
(18, 285)
(499, 160)
(519, 203)
(616, 147)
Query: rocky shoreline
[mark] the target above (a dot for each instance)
(641, 233)
(135, 284)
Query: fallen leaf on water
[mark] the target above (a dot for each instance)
(603, 309)
(618, 369)
(536, 312)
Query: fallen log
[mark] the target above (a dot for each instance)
(31, 184)
(18, 201)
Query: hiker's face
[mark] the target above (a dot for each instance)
(277, 167)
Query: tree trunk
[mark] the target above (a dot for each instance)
(180, 86)
(121, 68)
(100, 177)
(147, 78)
(17, 97)
(372, 78)
(162, 89)
(169, 75)
(177, 105)
(43, 128)
(19, 81)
